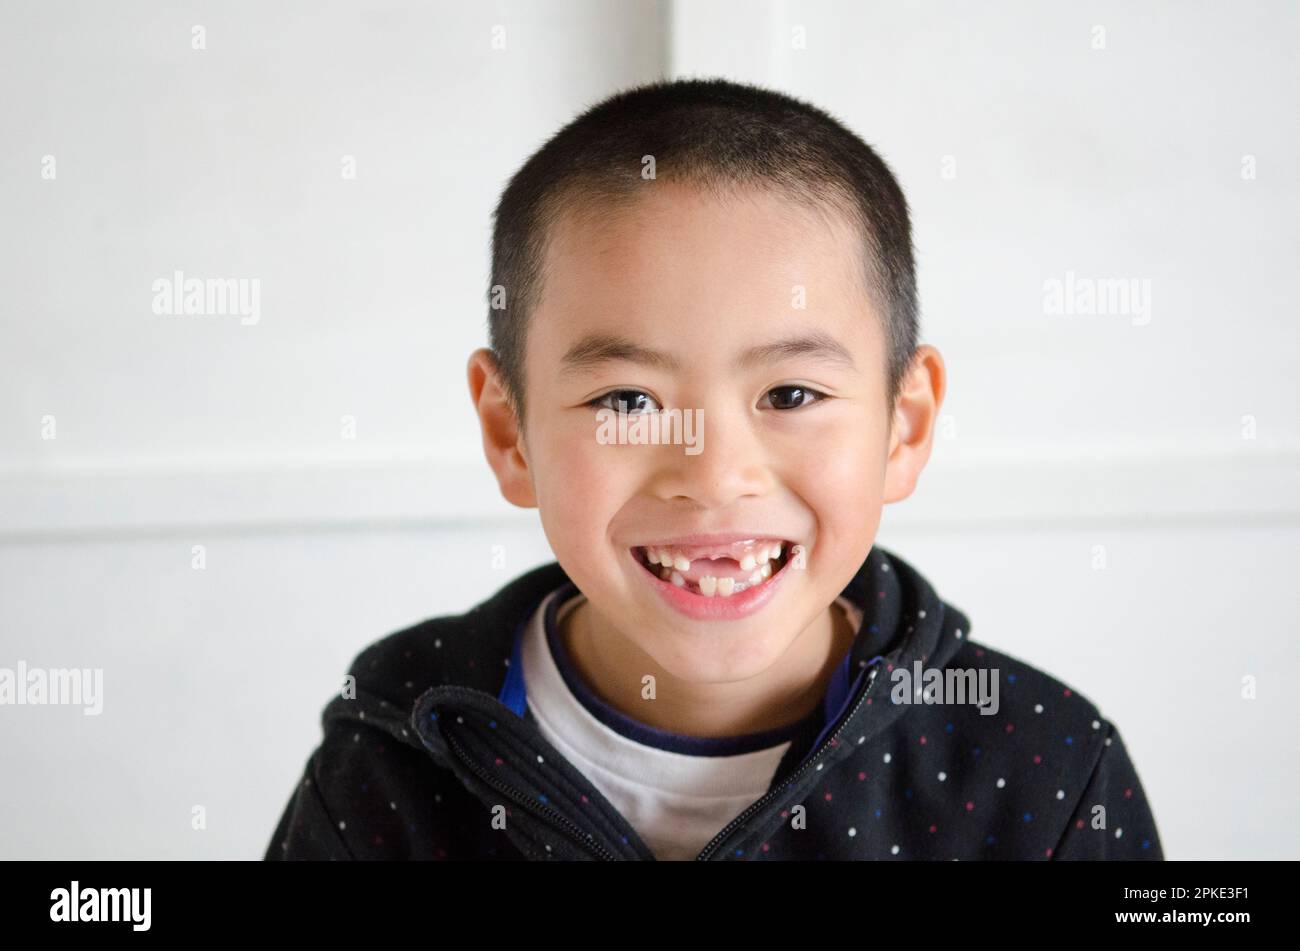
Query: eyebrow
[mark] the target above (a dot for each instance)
(598, 349)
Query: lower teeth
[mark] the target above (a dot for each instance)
(667, 574)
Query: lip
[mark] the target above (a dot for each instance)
(698, 607)
(717, 538)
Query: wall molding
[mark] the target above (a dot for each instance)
(411, 493)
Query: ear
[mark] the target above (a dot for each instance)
(503, 442)
(916, 412)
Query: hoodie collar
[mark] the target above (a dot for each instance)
(468, 723)
(903, 621)
(514, 691)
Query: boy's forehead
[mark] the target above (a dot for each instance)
(680, 235)
(688, 269)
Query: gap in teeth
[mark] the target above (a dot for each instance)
(754, 557)
(669, 566)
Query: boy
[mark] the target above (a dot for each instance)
(720, 665)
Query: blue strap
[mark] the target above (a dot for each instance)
(836, 689)
(513, 692)
(838, 695)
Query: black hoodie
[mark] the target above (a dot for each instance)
(437, 756)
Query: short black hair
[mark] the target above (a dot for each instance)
(715, 134)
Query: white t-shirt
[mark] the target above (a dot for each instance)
(676, 791)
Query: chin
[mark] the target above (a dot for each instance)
(724, 656)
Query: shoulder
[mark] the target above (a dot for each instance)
(423, 653)
(1062, 763)
(1036, 711)
(1025, 727)
(471, 648)
(1027, 693)
(451, 648)
(1033, 757)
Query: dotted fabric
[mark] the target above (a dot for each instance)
(425, 762)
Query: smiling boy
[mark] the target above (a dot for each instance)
(696, 674)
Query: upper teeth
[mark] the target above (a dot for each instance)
(754, 557)
(757, 560)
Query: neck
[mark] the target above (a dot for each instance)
(613, 667)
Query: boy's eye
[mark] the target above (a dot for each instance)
(625, 402)
(634, 402)
(792, 397)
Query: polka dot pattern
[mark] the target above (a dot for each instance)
(427, 762)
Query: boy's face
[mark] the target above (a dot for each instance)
(704, 281)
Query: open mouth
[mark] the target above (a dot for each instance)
(719, 571)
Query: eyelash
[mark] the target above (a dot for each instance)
(818, 395)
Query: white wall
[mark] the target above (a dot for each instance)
(1062, 433)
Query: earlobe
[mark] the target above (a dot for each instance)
(502, 439)
(915, 415)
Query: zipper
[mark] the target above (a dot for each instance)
(772, 794)
(545, 812)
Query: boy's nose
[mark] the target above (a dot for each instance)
(732, 463)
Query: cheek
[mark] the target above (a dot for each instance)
(855, 474)
(840, 477)
(580, 487)
(842, 459)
